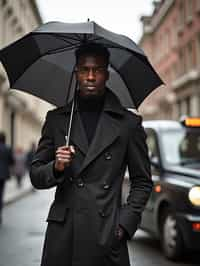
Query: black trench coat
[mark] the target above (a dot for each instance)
(87, 206)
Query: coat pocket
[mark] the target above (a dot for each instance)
(115, 242)
(105, 225)
(57, 212)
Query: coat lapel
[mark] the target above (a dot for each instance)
(78, 136)
(107, 129)
(106, 133)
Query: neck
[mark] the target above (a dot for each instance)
(90, 103)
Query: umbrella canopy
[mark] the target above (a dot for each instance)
(41, 63)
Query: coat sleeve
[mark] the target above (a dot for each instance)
(140, 179)
(42, 172)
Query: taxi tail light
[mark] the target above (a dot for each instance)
(196, 226)
(192, 122)
(157, 188)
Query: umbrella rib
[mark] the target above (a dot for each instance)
(81, 38)
(94, 39)
(63, 37)
(57, 36)
(91, 38)
(107, 45)
(88, 37)
(58, 50)
(75, 39)
(100, 38)
(110, 46)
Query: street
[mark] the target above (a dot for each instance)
(22, 235)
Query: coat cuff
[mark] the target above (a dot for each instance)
(57, 174)
(51, 178)
(129, 221)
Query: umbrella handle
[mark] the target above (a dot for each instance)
(67, 137)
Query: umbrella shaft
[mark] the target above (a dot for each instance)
(67, 137)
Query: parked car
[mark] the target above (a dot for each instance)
(173, 210)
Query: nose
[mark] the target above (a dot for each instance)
(91, 76)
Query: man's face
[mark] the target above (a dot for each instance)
(92, 74)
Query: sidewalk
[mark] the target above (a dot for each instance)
(13, 192)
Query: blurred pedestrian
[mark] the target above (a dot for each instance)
(6, 161)
(87, 225)
(29, 155)
(19, 168)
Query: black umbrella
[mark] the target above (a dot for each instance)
(42, 62)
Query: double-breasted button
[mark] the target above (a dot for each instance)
(102, 214)
(106, 186)
(108, 156)
(80, 183)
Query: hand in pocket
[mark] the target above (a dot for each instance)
(119, 233)
(118, 236)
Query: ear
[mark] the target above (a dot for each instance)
(75, 72)
(107, 74)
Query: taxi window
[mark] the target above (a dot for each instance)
(152, 145)
(181, 146)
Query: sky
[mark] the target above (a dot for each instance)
(120, 16)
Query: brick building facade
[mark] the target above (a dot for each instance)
(171, 39)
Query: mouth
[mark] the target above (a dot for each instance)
(90, 88)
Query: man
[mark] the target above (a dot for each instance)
(19, 167)
(6, 160)
(87, 226)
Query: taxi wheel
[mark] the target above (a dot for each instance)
(171, 238)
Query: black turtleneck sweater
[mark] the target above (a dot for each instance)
(90, 110)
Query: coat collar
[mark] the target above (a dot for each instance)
(111, 104)
(107, 130)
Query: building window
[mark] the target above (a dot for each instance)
(181, 17)
(14, 21)
(190, 62)
(9, 12)
(198, 49)
(3, 3)
(174, 71)
(167, 42)
(188, 106)
(197, 5)
(185, 107)
(23, 4)
(19, 30)
(199, 105)
(174, 33)
(179, 109)
(189, 10)
(182, 65)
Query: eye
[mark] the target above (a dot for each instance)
(83, 70)
(99, 70)
(95, 70)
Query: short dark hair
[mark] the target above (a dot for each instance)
(92, 49)
(2, 137)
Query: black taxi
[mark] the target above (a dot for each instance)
(173, 210)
